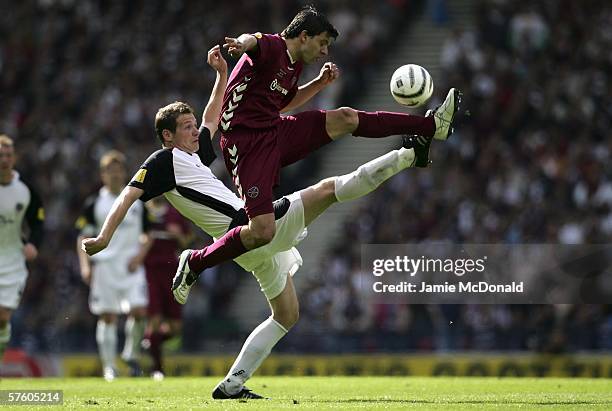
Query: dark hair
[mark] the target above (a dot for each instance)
(311, 20)
(165, 119)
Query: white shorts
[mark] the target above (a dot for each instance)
(116, 291)
(11, 288)
(272, 263)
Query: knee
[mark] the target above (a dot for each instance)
(5, 317)
(139, 313)
(348, 117)
(287, 318)
(327, 188)
(108, 318)
(262, 235)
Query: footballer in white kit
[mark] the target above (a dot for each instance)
(191, 187)
(114, 289)
(19, 203)
(116, 276)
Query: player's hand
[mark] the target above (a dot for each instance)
(30, 251)
(216, 60)
(93, 245)
(234, 47)
(134, 263)
(329, 73)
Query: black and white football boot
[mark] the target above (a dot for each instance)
(421, 146)
(184, 278)
(444, 114)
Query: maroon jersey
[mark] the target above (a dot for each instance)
(263, 83)
(165, 246)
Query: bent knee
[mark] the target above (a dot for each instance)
(287, 319)
(5, 316)
(348, 116)
(263, 235)
(327, 187)
(108, 318)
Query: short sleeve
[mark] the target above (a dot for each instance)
(268, 48)
(206, 152)
(86, 222)
(35, 217)
(155, 176)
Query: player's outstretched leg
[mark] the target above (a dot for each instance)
(382, 123)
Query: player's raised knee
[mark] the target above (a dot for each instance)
(348, 117)
(287, 318)
(341, 121)
(262, 235)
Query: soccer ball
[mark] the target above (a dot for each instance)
(411, 85)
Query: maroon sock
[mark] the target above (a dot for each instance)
(383, 123)
(226, 248)
(155, 350)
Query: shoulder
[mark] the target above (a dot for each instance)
(163, 155)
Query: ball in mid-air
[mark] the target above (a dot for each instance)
(411, 85)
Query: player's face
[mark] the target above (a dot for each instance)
(316, 47)
(7, 159)
(114, 176)
(186, 137)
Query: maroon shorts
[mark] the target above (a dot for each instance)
(161, 300)
(254, 157)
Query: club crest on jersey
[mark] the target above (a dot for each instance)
(274, 86)
(19, 207)
(253, 192)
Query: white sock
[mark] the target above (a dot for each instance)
(256, 348)
(106, 336)
(5, 337)
(370, 175)
(134, 330)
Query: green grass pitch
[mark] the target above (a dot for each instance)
(315, 393)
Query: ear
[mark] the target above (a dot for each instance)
(303, 36)
(167, 135)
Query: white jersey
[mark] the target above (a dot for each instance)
(125, 243)
(191, 187)
(18, 202)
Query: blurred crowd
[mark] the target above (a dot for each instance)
(529, 163)
(79, 77)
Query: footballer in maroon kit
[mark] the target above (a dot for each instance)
(169, 232)
(257, 141)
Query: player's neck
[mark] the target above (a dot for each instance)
(293, 48)
(6, 177)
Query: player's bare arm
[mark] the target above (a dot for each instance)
(84, 262)
(237, 46)
(210, 117)
(120, 207)
(328, 74)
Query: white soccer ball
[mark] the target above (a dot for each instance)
(411, 85)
